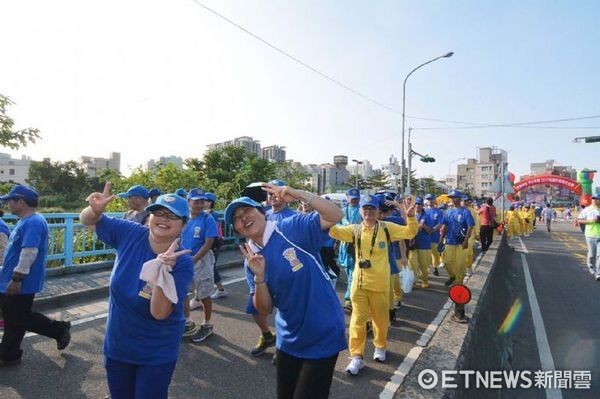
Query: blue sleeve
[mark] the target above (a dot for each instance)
(303, 230)
(211, 230)
(113, 231)
(35, 235)
(4, 229)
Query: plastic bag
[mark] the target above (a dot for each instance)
(408, 279)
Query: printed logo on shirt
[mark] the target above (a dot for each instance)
(381, 244)
(290, 255)
(197, 232)
(146, 292)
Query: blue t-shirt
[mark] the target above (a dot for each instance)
(437, 215)
(30, 232)
(457, 222)
(423, 238)
(133, 335)
(351, 215)
(310, 320)
(197, 230)
(4, 229)
(394, 252)
(282, 214)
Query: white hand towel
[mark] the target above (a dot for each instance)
(157, 273)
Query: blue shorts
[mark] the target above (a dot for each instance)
(250, 309)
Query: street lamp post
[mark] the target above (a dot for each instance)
(357, 163)
(449, 166)
(447, 55)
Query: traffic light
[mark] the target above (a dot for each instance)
(427, 158)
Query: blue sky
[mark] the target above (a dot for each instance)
(151, 78)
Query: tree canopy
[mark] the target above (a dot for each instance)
(9, 137)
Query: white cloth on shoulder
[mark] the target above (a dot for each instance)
(158, 273)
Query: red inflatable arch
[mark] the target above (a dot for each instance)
(551, 180)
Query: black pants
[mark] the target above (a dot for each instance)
(486, 234)
(328, 257)
(304, 378)
(18, 319)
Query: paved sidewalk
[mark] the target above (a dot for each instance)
(63, 289)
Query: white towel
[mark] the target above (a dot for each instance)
(158, 273)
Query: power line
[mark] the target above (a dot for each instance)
(380, 104)
(507, 126)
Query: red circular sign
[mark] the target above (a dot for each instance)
(460, 294)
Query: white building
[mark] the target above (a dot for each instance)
(478, 175)
(363, 170)
(177, 161)
(327, 177)
(13, 169)
(92, 166)
(250, 145)
(274, 153)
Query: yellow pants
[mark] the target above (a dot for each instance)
(455, 258)
(435, 255)
(396, 294)
(368, 305)
(419, 262)
(469, 262)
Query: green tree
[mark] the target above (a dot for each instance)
(377, 181)
(293, 173)
(60, 184)
(8, 136)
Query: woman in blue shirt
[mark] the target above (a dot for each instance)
(287, 273)
(144, 326)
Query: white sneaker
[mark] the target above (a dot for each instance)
(356, 364)
(469, 271)
(195, 304)
(219, 294)
(379, 355)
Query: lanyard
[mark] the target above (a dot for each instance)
(374, 238)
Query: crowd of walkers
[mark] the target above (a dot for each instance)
(167, 246)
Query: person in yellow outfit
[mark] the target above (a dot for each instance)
(468, 203)
(525, 219)
(371, 277)
(531, 217)
(513, 222)
(457, 228)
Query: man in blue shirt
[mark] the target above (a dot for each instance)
(351, 215)
(23, 276)
(279, 208)
(137, 201)
(437, 215)
(457, 227)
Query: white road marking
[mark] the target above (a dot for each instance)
(546, 360)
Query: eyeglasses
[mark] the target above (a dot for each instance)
(163, 213)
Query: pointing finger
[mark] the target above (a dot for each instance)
(182, 252)
(173, 247)
(107, 188)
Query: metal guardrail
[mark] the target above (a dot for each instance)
(69, 242)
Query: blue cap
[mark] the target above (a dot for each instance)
(380, 198)
(211, 197)
(196, 194)
(429, 196)
(596, 196)
(135, 191)
(353, 193)
(465, 197)
(238, 203)
(155, 192)
(173, 203)
(277, 182)
(328, 198)
(418, 201)
(181, 192)
(20, 191)
(370, 200)
(455, 194)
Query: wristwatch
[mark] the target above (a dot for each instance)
(258, 281)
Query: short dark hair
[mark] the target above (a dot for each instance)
(32, 202)
(489, 201)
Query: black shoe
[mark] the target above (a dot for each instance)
(9, 363)
(369, 327)
(458, 319)
(65, 339)
(436, 272)
(449, 282)
(392, 315)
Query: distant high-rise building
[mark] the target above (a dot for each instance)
(175, 160)
(274, 153)
(478, 175)
(250, 145)
(93, 165)
(13, 169)
(363, 170)
(327, 177)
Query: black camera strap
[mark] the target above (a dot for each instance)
(373, 239)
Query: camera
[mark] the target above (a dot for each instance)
(364, 264)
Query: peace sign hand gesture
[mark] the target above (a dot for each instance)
(99, 201)
(256, 262)
(170, 257)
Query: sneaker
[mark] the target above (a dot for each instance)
(65, 339)
(379, 355)
(204, 332)
(195, 304)
(597, 277)
(592, 270)
(392, 315)
(435, 271)
(348, 306)
(356, 364)
(191, 328)
(219, 294)
(398, 305)
(449, 282)
(469, 271)
(458, 319)
(263, 344)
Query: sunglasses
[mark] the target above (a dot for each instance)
(163, 213)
